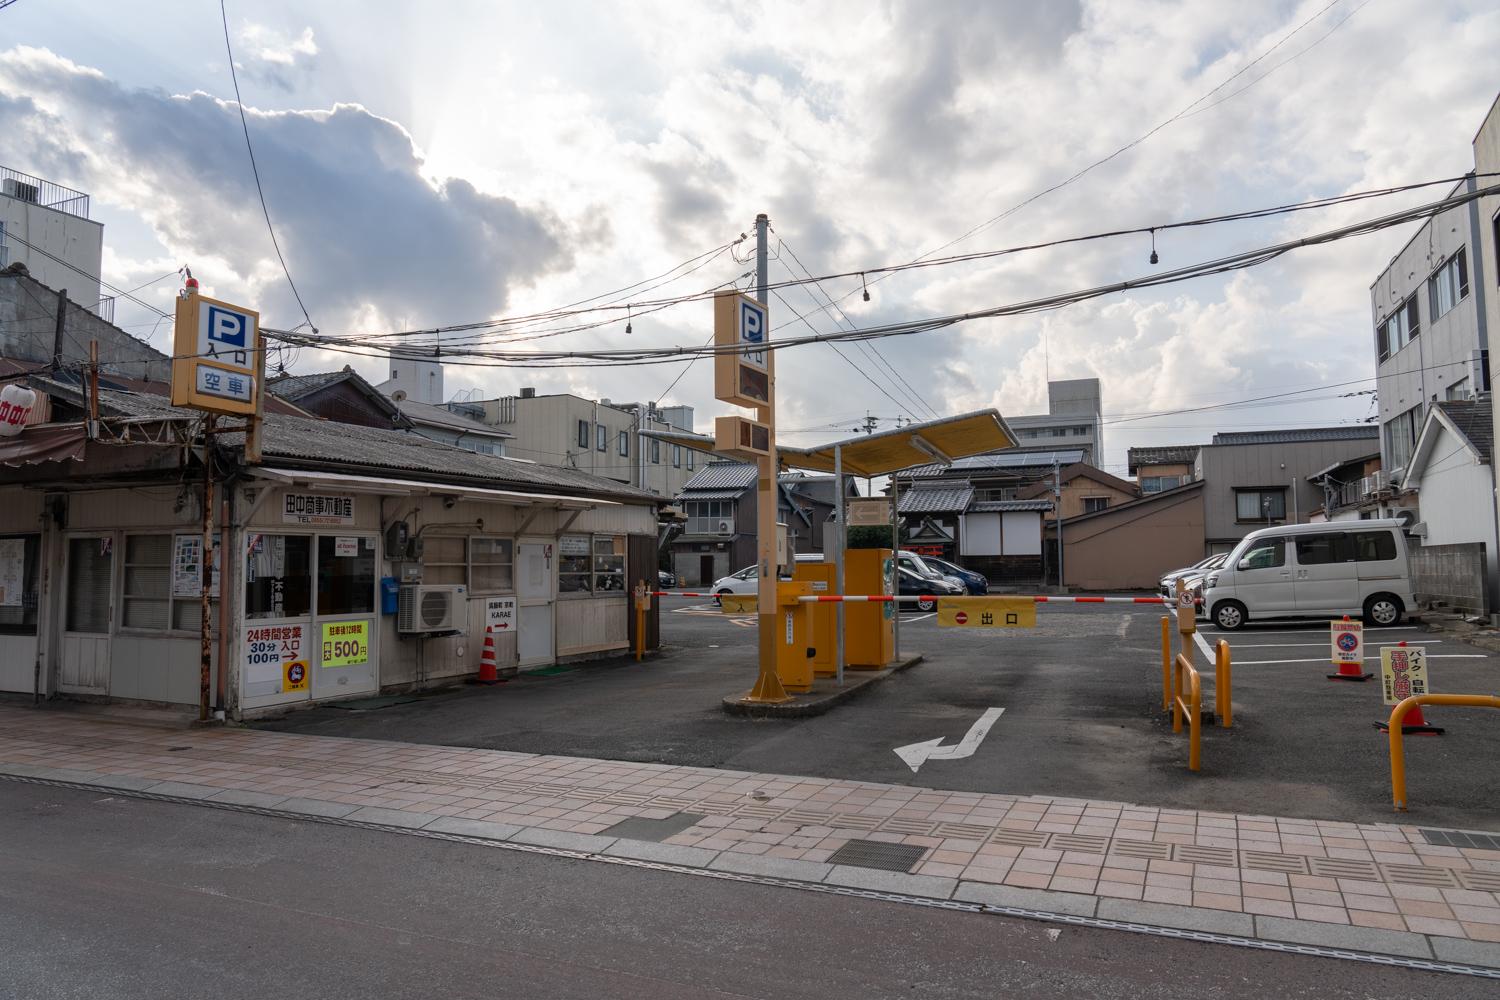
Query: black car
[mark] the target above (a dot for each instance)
(912, 585)
(665, 580)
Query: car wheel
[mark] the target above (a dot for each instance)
(1383, 609)
(1230, 615)
(926, 605)
(717, 602)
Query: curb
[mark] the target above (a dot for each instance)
(816, 702)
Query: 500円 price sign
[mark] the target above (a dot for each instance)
(346, 644)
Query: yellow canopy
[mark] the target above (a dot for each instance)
(944, 440)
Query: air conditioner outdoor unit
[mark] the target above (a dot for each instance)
(431, 608)
(1366, 486)
(726, 527)
(20, 190)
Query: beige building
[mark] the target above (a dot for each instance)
(54, 220)
(1130, 546)
(1085, 490)
(597, 436)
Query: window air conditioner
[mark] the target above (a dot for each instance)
(421, 609)
(20, 190)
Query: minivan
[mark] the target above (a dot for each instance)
(1313, 571)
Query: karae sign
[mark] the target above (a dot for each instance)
(217, 356)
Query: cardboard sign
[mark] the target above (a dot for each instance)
(1347, 642)
(1403, 672)
(987, 612)
(346, 644)
(500, 613)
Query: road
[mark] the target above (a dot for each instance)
(107, 896)
(1082, 700)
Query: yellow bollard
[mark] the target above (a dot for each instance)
(1166, 662)
(1223, 685)
(642, 602)
(1192, 708)
(1397, 743)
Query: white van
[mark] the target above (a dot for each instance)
(1313, 571)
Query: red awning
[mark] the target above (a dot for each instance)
(44, 443)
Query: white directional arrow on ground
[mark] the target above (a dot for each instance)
(917, 754)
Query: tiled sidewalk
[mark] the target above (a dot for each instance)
(1375, 887)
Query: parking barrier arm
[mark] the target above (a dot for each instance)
(1397, 738)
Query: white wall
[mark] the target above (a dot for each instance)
(1455, 499)
(1023, 533)
(80, 242)
(979, 534)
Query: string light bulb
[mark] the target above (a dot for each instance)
(865, 287)
(1154, 257)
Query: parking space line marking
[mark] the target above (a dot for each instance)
(918, 618)
(1251, 632)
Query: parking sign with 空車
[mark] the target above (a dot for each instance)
(217, 363)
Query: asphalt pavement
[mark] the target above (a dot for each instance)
(110, 896)
(1082, 718)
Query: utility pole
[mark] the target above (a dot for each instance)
(57, 332)
(870, 422)
(1057, 493)
(768, 685)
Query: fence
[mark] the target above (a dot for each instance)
(1452, 575)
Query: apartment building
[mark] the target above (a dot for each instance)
(1074, 420)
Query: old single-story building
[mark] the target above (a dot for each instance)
(1131, 545)
(352, 560)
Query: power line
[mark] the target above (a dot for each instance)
(872, 351)
(245, 125)
(1220, 265)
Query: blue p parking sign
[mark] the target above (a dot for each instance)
(228, 328)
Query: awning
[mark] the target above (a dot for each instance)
(410, 487)
(881, 454)
(44, 443)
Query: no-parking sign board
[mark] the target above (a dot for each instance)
(1347, 642)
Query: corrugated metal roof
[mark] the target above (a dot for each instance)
(710, 495)
(1472, 418)
(936, 500)
(1348, 432)
(1002, 461)
(722, 476)
(1176, 454)
(440, 416)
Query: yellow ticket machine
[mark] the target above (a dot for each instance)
(869, 627)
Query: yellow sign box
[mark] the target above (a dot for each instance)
(741, 438)
(741, 376)
(738, 604)
(987, 612)
(217, 352)
(1403, 672)
(346, 644)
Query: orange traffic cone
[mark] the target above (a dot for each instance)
(487, 672)
(1412, 722)
(1350, 671)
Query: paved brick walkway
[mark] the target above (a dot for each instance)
(1376, 887)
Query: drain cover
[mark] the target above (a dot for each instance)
(878, 854)
(1456, 838)
(638, 828)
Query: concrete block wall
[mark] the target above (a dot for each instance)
(1451, 575)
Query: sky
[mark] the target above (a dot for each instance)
(452, 162)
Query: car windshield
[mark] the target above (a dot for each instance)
(915, 563)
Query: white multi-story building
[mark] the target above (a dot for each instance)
(1431, 333)
(1074, 419)
(47, 227)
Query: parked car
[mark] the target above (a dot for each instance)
(919, 566)
(746, 581)
(665, 580)
(1313, 571)
(912, 584)
(1200, 568)
(974, 583)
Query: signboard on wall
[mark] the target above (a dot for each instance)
(500, 614)
(187, 566)
(573, 545)
(270, 652)
(12, 571)
(346, 644)
(217, 351)
(317, 508)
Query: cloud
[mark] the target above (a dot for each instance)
(364, 231)
(272, 57)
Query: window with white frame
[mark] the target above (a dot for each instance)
(1155, 484)
(1093, 505)
(609, 564)
(591, 564)
(1398, 329)
(1448, 284)
(149, 601)
(491, 564)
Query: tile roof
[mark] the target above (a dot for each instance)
(722, 476)
(1176, 454)
(936, 499)
(1472, 418)
(1347, 432)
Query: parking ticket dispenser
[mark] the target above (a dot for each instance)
(794, 638)
(823, 616)
(869, 628)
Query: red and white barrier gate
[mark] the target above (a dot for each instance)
(886, 598)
